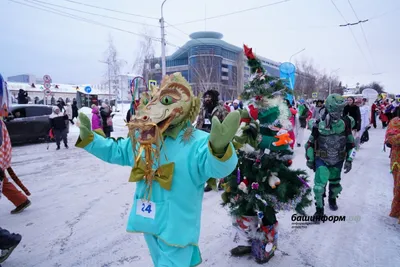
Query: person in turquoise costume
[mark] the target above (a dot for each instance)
(171, 162)
(330, 146)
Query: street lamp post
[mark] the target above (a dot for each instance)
(164, 67)
(330, 82)
(290, 59)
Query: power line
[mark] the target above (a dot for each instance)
(384, 13)
(95, 14)
(355, 23)
(363, 32)
(352, 33)
(112, 10)
(231, 13)
(64, 14)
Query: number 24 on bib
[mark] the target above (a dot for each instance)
(146, 209)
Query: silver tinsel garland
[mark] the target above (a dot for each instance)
(277, 205)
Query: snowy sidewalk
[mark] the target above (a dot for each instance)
(80, 207)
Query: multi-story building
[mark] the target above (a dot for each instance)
(208, 62)
(36, 90)
(22, 78)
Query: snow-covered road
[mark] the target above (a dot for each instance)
(80, 207)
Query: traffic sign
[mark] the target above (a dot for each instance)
(88, 89)
(47, 79)
(47, 85)
(47, 92)
(152, 84)
(314, 95)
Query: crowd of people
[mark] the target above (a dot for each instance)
(301, 112)
(363, 116)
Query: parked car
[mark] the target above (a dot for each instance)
(29, 122)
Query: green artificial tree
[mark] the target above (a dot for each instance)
(263, 184)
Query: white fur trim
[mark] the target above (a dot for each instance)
(247, 148)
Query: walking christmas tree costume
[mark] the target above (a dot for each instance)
(262, 183)
(171, 162)
(331, 145)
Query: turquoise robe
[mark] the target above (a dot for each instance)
(178, 211)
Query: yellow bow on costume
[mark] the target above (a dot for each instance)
(163, 175)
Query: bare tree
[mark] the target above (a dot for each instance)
(113, 67)
(144, 59)
(374, 85)
(310, 80)
(206, 72)
(306, 80)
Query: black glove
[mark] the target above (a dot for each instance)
(347, 166)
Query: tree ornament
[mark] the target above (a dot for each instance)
(245, 181)
(272, 83)
(273, 180)
(268, 247)
(284, 138)
(253, 111)
(262, 200)
(254, 186)
(242, 186)
(248, 52)
(289, 162)
(304, 182)
(260, 215)
(238, 175)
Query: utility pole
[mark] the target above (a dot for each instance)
(163, 64)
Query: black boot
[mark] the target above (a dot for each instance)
(207, 188)
(241, 251)
(58, 148)
(332, 204)
(318, 215)
(8, 243)
(220, 187)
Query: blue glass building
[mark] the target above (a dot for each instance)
(208, 62)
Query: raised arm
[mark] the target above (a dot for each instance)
(310, 145)
(107, 149)
(215, 154)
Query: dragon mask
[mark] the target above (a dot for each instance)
(163, 111)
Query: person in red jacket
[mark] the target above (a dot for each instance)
(292, 118)
(374, 111)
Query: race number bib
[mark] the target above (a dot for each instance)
(207, 122)
(146, 209)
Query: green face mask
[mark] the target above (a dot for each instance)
(335, 104)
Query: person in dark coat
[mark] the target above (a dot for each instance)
(57, 124)
(353, 111)
(105, 112)
(128, 115)
(74, 109)
(22, 97)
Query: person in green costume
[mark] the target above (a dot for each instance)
(330, 146)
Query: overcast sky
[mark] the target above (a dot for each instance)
(39, 42)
